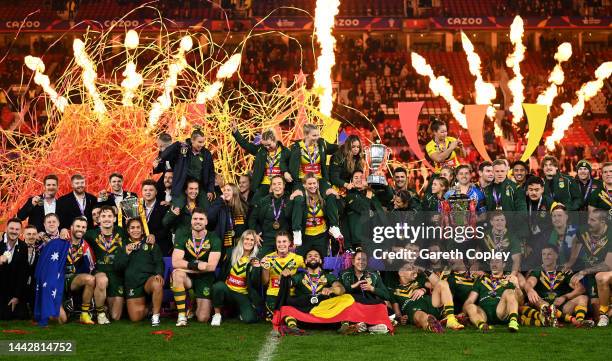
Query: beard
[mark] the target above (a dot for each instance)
(313, 264)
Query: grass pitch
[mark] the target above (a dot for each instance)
(235, 341)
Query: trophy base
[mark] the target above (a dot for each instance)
(377, 181)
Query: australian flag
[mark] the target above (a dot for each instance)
(50, 280)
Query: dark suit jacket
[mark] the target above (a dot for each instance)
(111, 198)
(162, 235)
(34, 214)
(68, 209)
(13, 277)
(178, 154)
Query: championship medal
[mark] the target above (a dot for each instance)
(276, 225)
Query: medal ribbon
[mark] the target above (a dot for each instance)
(276, 213)
(273, 160)
(75, 254)
(313, 282)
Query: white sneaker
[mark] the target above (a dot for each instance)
(181, 321)
(378, 329)
(102, 319)
(362, 327)
(603, 321)
(297, 238)
(155, 320)
(216, 320)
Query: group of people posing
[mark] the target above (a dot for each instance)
(231, 246)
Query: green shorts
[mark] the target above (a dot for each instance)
(202, 284)
(410, 307)
(490, 309)
(135, 292)
(69, 278)
(115, 284)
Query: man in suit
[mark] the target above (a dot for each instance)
(163, 141)
(37, 207)
(153, 213)
(117, 193)
(30, 237)
(13, 272)
(164, 192)
(76, 203)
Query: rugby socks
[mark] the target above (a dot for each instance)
(449, 310)
(290, 322)
(86, 306)
(603, 309)
(99, 309)
(479, 324)
(513, 316)
(580, 312)
(530, 316)
(179, 299)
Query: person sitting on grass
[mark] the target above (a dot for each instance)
(494, 299)
(240, 281)
(551, 296)
(413, 302)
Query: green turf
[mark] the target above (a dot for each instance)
(235, 341)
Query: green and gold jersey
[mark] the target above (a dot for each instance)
(310, 160)
(490, 288)
(461, 284)
(305, 282)
(601, 198)
(237, 278)
(198, 249)
(106, 248)
(277, 264)
(504, 242)
(315, 220)
(402, 292)
(551, 285)
(593, 250)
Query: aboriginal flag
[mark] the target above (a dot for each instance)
(349, 308)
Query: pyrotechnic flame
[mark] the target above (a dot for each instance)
(514, 61)
(225, 71)
(439, 87)
(485, 92)
(325, 12)
(131, 40)
(89, 76)
(132, 80)
(38, 67)
(229, 67)
(586, 92)
(164, 101)
(556, 78)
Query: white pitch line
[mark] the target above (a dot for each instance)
(266, 353)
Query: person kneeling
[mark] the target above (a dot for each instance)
(194, 260)
(144, 268)
(242, 278)
(77, 277)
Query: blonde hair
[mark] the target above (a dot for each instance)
(238, 250)
(268, 134)
(316, 196)
(308, 127)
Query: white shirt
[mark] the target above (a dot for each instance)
(49, 207)
(168, 197)
(119, 198)
(148, 210)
